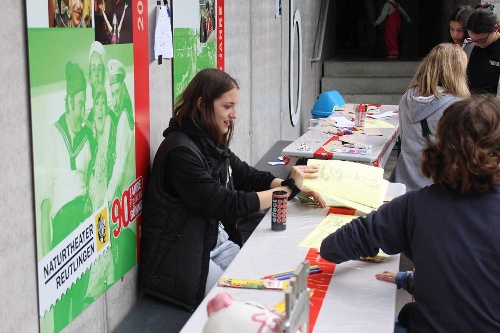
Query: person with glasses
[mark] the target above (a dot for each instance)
(483, 70)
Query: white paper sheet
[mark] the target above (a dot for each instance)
(350, 183)
(387, 114)
(163, 34)
(342, 122)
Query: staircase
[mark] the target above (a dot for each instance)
(368, 81)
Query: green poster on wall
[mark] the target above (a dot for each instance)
(196, 39)
(89, 123)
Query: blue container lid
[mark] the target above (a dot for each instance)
(326, 103)
(320, 114)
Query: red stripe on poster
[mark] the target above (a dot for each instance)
(220, 34)
(318, 283)
(141, 94)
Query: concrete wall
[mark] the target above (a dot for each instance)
(496, 3)
(256, 55)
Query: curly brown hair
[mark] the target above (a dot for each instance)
(466, 154)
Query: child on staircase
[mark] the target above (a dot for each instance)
(391, 13)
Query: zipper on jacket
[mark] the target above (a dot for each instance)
(173, 242)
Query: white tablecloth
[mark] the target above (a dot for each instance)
(381, 145)
(355, 300)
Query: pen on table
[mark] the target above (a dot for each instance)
(315, 267)
(291, 273)
(288, 277)
(301, 197)
(272, 276)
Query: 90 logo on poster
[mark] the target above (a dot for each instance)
(125, 210)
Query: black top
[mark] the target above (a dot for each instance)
(483, 69)
(453, 241)
(192, 186)
(225, 193)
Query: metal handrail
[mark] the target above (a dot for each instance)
(320, 32)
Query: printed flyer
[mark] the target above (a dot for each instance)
(89, 89)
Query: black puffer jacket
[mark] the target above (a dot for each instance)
(193, 184)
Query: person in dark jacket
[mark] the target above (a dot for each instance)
(198, 188)
(450, 230)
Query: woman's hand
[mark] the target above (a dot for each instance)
(299, 172)
(386, 276)
(313, 195)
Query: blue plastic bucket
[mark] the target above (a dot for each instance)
(326, 103)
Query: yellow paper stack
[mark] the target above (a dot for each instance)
(349, 184)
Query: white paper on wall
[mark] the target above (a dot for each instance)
(163, 34)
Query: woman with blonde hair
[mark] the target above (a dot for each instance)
(440, 81)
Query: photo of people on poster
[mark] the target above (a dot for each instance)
(207, 21)
(70, 13)
(113, 21)
(84, 154)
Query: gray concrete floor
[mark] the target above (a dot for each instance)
(402, 297)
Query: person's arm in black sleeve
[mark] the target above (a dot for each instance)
(363, 237)
(204, 194)
(247, 178)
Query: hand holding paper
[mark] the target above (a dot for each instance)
(356, 185)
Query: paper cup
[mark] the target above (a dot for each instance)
(359, 118)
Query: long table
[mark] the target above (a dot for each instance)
(315, 140)
(354, 301)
